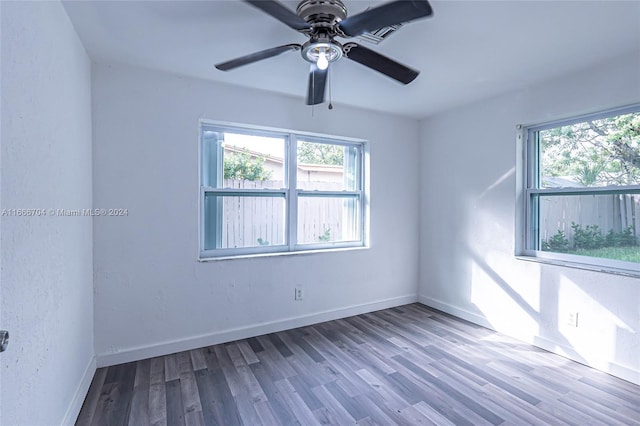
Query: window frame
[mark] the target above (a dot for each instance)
(527, 166)
(290, 193)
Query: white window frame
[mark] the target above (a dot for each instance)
(290, 193)
(527, 241)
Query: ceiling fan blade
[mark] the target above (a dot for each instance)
(281, 13)
(258, 56)
(380, 63)
(395, 12)
(317, 85)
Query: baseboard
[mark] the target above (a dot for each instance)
(607, 366)
(80, 394)
(455, 311)
(169, 347)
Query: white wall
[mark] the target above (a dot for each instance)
(467, 263)
(152, 295)
(47, 272)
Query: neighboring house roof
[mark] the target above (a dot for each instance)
(326, 168)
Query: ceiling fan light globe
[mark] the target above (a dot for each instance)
(322, 63)
(331, 50)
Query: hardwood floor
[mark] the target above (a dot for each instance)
(409, 365)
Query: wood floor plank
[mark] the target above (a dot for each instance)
(93, 397)
(490, 376)
(140, 399)
(157, 393)
(246, 409)
(235, 355)
(451, 391)
(410, 365)
(191, 398)
(296, 404)
(353, 408)
(379, 386)
(481, 394)
(228, 369)
(194, 418)
(122, 393)
(519, 409)
(171, 371)
(529, 383)
(108, 395)
(208, 401)
(255, 345)
(374, 412)
(304, 391)
(333, 408)
(432, 415)
(311, 374)
(613, 413)
(197, 359)
(175, 412)
(277, 404)
(300, 338)
(274, 359)
(449, 408)
(218, 404)
(250, 384)
(247, 352)
(280, 346)
(265, 413)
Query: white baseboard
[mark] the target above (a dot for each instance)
(80, 394)
(454, 310)
(607, 366)
(169, 347)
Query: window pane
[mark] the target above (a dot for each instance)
(327, 167)
(601, 225)
(328, 219)
(594, 153)
(233, 160)
(243, 221)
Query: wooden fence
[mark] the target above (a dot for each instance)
(254, 221)
(609, 212)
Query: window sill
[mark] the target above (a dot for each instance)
(283, 253)
(584, 266)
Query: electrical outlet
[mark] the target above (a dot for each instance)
(299, 294)
(572, 319)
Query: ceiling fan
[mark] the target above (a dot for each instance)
(324, 20)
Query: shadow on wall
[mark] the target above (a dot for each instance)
(534, 302)
(511, 308)
(526, 300)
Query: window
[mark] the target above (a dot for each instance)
(268, 191)
(581, 199)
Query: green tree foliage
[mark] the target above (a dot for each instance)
(245, 167)
(320, 153)
(326, 236)
(621, 239)
(590, 238)
(557, 243)
(595, 153)
(587, 238)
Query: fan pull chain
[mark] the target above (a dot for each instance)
(330, 77)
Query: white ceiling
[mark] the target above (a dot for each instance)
(468, 50)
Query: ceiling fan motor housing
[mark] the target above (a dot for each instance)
(322, 12)
(322, 15)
